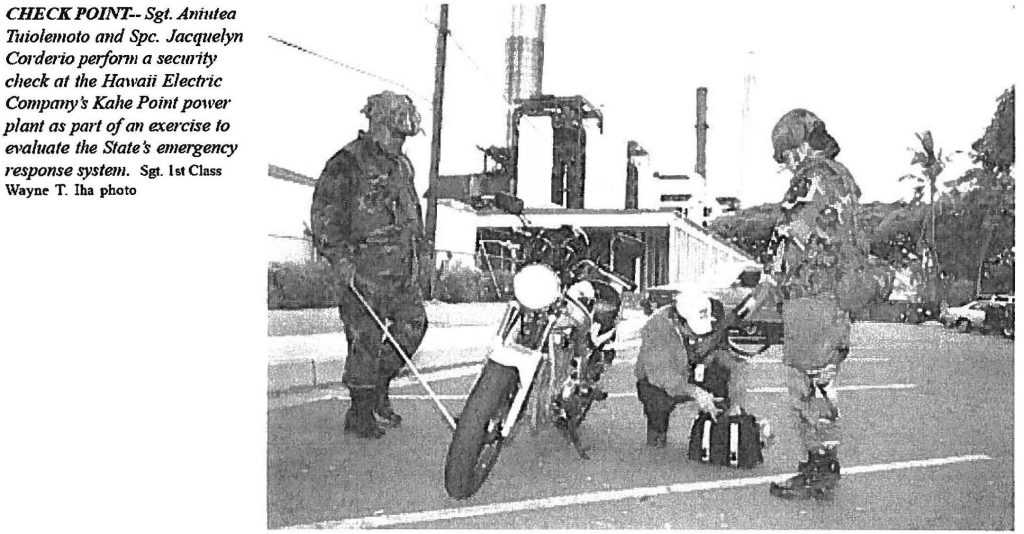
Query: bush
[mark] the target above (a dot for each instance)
(957, 293)
(462, 284)
(300, 285)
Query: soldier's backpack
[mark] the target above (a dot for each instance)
(731, 441)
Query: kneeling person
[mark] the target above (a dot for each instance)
(669, 345)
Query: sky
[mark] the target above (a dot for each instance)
(875, 72)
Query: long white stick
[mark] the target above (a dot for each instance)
(408, 360)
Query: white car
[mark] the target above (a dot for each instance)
(966, 317)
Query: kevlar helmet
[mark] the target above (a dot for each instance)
(395, 110)
(799, 126)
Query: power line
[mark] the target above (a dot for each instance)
(476, 66)
(364, 72)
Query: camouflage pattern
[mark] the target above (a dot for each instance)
(372, 360)
(818, 240)
(365, 210)
(818, 257)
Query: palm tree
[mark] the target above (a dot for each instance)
(993, 182)
(932, 165)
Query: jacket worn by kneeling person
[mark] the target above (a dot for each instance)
(668, 353)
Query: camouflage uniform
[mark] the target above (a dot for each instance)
(365, 209)
(814, 248)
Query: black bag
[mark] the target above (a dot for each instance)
(732, 441)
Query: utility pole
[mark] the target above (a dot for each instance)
(435, 151)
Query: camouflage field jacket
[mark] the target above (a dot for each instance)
(818, 241)
(365, 209)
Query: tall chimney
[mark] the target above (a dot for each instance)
(702, 132)
(524, 58)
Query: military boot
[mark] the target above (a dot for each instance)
(382, 409)
(658, 440)
(359, 418)
(816, 479)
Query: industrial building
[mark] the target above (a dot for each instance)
(654, 233)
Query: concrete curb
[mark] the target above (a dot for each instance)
(298, 362)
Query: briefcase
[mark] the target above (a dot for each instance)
(732, 441)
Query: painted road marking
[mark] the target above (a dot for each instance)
(766, 389)
(777, 360)
(840, 388)
(444, 374)
(608, 496)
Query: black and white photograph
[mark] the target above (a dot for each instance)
(508, 265)
(643, 265)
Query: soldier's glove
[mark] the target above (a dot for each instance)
(766, 292)
(344, 272)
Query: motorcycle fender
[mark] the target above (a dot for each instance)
(522, 359)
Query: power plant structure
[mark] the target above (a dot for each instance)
(655, 237)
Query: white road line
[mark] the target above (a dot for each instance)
(444, 374)
(777, 360)
(840, 388)
(608, 496)
(766, 389)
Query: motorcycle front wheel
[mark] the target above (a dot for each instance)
(477, 440)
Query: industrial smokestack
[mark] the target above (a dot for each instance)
(702, 132)
(524, 57)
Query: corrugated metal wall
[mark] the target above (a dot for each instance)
(695, 254)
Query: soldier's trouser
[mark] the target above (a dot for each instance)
(817, 341)
(371, 358)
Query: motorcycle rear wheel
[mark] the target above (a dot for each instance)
(477, 440)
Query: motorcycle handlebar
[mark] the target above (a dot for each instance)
(608, 273)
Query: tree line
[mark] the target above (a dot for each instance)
(958, 244)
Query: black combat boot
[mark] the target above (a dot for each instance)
(359, 418)
(385, 414)
(817, 478)
(658, 440)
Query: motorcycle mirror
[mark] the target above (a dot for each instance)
(508, 203)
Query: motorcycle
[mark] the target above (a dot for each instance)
(551, 347)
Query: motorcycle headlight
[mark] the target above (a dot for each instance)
(536, 286)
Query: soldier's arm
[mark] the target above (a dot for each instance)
(794, 230)
(333, 208)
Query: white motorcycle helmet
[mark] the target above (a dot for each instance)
(695, 307)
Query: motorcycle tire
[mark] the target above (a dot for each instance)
(477, 440)
(749, 341)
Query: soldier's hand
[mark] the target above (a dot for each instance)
(345, 271)
(706, 402)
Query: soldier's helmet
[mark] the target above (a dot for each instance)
(798, 126)
(395, 110)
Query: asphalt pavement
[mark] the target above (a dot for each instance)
(927, 415)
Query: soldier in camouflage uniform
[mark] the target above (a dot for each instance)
(818, 265)
(366, 219)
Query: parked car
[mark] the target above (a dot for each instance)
(762, 329)
(967, 317)
(998, 300)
